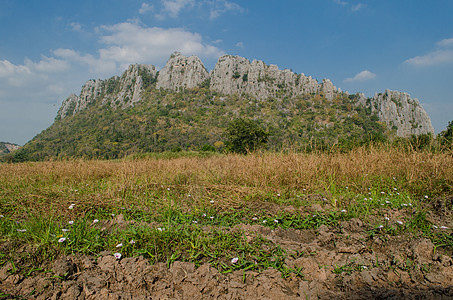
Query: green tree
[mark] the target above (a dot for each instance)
(446, 136)
(245, 135)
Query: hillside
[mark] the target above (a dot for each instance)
(183, 106)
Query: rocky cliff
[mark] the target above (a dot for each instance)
(237, 75)
(116, 91)
(6, 148)
(400, 112)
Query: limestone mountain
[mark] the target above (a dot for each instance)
(184, 106)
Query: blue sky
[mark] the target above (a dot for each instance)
(49, 48)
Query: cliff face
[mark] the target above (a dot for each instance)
(401, 112)
(237, 75)
(182, 72)
(117, 91)
(234, 74)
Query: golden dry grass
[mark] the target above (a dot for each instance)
(230, 179)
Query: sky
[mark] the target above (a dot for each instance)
(50, 48)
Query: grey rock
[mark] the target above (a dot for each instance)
(182, 72)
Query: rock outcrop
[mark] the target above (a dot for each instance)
(237, 75)
(234, 74)
(400, 112)
(6, 148)
(117, 91)
(182, 72)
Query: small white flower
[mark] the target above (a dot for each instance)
(343, 210)
(195, 222)
(382, 193)
(264, 221)
(212, 218)
(395, 189)
(71, 206)
(212, 201)
(388, 202)
(119, 245)
(443, 227)
(426, 196)
(435, 226)
(132, 242)
(21, 230)
(2, 216)
(203, 215)
(365, 199)
(61, 240)
(188, 195)
(387, 218)
(160, 229)
(347, 187)
(278, 195)
(71, 222)
(112, 215)
(117, 255)
(399, 222)
(168, 189)
(95, 221)
(65, 230)
(234, 260)
(276, 221)
(364, 267)
(254, 218)
(381, 226)
(404, 204)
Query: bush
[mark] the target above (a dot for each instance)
(245, 136)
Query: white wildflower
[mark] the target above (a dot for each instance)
(119, 245)
(132, 242)
(65, 230)
(21, 230)
(117, 255)
(71, 222)
(61, 240)
(95, 221)
(234, 260)
(399, 222)
(443, 227)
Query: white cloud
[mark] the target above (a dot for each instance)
(445, 42)
(220, 7)
(131, 43)
(361, 76)
(340, 2)
(76, 27)
(434, 58)
(441, 56)
(240, 45)
(145, 8)
(173, 7)
(358, 7)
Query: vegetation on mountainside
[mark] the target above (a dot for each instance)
(197, 118)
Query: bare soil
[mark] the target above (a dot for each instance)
(341, 263)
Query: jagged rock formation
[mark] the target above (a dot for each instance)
(234, 74)
(237, 75)
(400, 112)
(6, 148)
(117, 91)
(182, 72)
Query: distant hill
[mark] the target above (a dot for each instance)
(183, 106)
(6, 148)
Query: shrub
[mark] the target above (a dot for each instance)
(245, 136)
